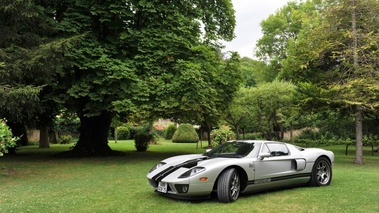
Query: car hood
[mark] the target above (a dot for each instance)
(192, 160)
(198, 158)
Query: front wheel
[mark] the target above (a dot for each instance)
(321, 173)
(228, 186)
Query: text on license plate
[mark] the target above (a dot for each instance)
(162, 187)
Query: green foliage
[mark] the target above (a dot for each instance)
(334, 54)
(335, 58)
(142, 140)
(169, 131)
(252, 136)
(185, 133)
(254, 72)
(67, 123)
(6, 138)
(158, 133)
(137, 58)
(310, 134)
(264, 109)
(279, 30)
(221, 135)
(65, 139)
(141, 128)
(123, 133)
(29, 58)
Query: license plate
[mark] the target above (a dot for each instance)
(162, 187)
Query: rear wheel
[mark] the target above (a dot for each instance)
(321, 173)
(228, 186)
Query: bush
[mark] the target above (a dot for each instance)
(66, 124)
(310, 134)
(185, 133)
(65, 139)
(123, 133)
(221, 135)
(142, 128)
(6, 138)
(169, 131)
(253, 136)
(141, 141)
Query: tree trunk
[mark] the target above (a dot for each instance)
(115, 135)
(237, 132)
(44, 136)
(291, 132)
(358, 114)
(53, 137)
(359, 136)
(208, 128)
(93, 139)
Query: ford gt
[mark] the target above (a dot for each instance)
(242, 166)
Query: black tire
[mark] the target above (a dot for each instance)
(228, 186)
(321, 173)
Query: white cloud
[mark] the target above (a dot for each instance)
(249, 14)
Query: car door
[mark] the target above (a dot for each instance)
(275, 165)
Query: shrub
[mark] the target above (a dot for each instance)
(185, 133)
(142, 128)
(66, 124)
(65, 139)
(221, 135)
(123, 133)
(253, 136)
(310, 134)
(6, 138)
(141, 141)
(169, 131)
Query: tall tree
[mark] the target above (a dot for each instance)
(28, 63)
(278, 30)
(132, 54)
(336, 59)
(107, 57)
(268, 107)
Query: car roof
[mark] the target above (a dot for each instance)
(254, 141)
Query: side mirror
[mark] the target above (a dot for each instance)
(207, 150)
(264, 155)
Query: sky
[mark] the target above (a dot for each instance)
(249, 14)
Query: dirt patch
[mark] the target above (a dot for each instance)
(7, 172)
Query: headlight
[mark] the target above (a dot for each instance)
(192, 172)
(157, 166)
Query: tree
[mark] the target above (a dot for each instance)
(254, 72)
(29, 59)
(335, 59)
(278, 30)
(268, 107)
(108, 57)
(128, 57)
(239, 111)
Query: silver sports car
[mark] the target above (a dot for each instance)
(242, 166)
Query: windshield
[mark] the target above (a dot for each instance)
(231, 150)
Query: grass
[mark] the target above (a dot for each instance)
(34, 181)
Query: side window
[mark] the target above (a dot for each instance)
(277, 149)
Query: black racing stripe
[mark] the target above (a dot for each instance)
(171, 169)
(291, 176)
(162, 174)
(286, 177)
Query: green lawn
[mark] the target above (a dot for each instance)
(34, 181)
